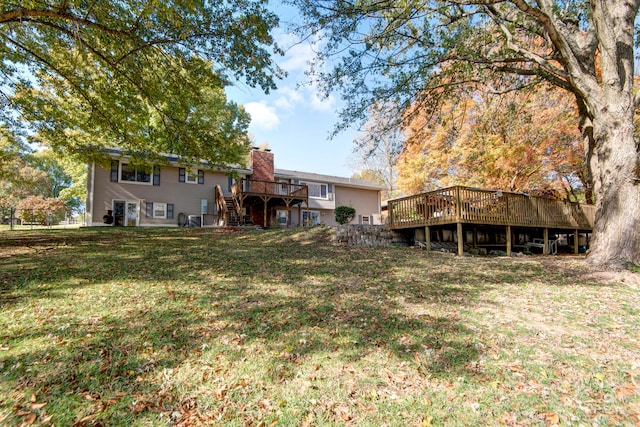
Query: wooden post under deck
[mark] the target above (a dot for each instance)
(508, 240)
(545, 251)
(306, 208)
(265, 213)
(287, 213)
(575, 242)
(459, 225)
(427, 237)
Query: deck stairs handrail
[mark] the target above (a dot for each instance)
(235, 196)
(221, 203)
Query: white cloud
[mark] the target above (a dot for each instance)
(289, 98)
(320, 103)
(262, 116)
(297, 53)
(309, 96)
(297, 57)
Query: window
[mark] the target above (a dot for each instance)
(365, 219)
(310, 218)
(159, 210)
(126, 173)
(131, 174)
(190, 176)
(319, 191)
(283, 188)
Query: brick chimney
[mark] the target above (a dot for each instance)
(262, 164)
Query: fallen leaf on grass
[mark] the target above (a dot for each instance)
(220, 393)
(427, 421)
(551, 418)
(28, 420)
(84, 421)
(265, 404)
(345, 416)
(625, 390)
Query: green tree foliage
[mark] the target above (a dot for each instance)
(418, 53)
(344, 214)
(67, 176)
(24, 173)
(11, 150)
(147, 76)
(47, 162)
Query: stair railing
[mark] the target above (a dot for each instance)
(221, 203)
(236, 194)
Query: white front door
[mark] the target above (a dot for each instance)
(132, 214)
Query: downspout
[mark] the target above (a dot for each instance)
(90, 196)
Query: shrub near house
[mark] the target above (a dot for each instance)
(344, 214)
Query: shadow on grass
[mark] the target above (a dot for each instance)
(95, 371)
(113, 310)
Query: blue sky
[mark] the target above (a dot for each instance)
(293, 120)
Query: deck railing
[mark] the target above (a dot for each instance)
(271, 188)
(476, 206)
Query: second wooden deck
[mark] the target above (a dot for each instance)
(476, 206)
(465, 207)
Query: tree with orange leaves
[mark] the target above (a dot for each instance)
(420, 52)
(518, 141)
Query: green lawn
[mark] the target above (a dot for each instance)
(137, 327)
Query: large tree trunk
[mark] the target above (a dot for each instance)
(614, 165)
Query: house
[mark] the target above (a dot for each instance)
(176, 195)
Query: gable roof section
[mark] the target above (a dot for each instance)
(174, 160)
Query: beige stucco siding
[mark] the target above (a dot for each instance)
(184, 196)
(365, 202)
(321, 204)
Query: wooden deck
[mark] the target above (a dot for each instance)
(452, 205)
(463, 205)
(261, 196)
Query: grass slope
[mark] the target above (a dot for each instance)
(160, 327)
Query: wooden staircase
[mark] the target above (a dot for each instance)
(227, 209)
(233, 219)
